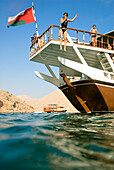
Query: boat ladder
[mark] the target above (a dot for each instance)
(106, 62)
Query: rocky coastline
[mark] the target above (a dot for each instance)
(12, 104)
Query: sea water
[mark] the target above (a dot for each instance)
(61, 141)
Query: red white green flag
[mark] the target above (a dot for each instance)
(23, 17)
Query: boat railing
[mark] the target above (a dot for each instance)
(78, 36)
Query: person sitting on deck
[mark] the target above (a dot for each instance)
(94, 38)
(34, 40)
(109, 47)
(63, 30)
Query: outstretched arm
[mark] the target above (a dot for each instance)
(71, 20)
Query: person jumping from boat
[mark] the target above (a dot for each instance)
(63, 29)
(94, 37)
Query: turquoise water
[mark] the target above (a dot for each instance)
(56, 141)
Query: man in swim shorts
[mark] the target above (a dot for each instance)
(94, 38)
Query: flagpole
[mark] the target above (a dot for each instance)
(35, 19)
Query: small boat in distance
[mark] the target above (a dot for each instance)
(54, 108)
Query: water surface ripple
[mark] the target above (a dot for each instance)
(56, 141)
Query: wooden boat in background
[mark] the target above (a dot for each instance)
(86, 73)
(54, 108)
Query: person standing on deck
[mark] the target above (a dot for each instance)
(63, 30)
(94, 38)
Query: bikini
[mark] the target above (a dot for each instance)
(64, 25)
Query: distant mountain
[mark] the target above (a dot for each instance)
(56, 97)
(12, 104)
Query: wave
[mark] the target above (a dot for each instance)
(56, 141)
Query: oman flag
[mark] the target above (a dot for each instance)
(23, 17)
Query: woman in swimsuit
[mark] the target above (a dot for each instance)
(93, 30)
(63, 30)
